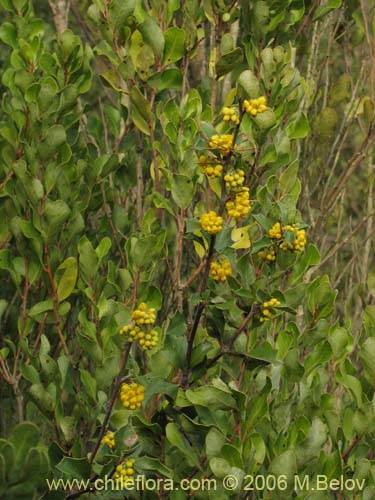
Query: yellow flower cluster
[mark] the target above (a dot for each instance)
(230, 115)
(275, 232)
(126, 471)
(213, 172)
(255, 106)
(210, 170)
(235, 179)
(147, 340)
(220, 271)
(211, 222)
(240, 207)
(109, 439)
(268, 256)
(223, 143)
(266, 306)
(299, 242)
(143, 315)
(142, 318)
(297, 245)
(132, 395)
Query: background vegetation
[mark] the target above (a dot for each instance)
(106, 109)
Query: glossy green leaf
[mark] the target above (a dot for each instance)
(174, 45)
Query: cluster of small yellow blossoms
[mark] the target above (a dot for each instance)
(299, 242)
(109, 439)
(297, 245)
(223, 143)
(142, 317)
(255, 106)
(125, 471)
(267, 256)
(132, 395)
(230, 115)
(266, 306)
(235, 179)
(275, 232)
(147, 340)
(220, 271)
(213, 172)
(211, 222)
(240, 207)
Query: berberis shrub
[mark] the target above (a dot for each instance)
(159, 315)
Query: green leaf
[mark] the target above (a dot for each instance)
(56, 213)
(229, 61)
(68, 426)
(66, 283)
(220, 467)
(174, 45)
(258, 408)
(371, 282)
(182, 190)
(265, 120)
(288, 178)
(152, 34)
(54, 138)
(8, 453)
(36, 468)
(367, 355)
(323, 10)
(261, 12)
(30, 373)
(250, 83)
(322, 354)
(352, 384)
(310, 257)
(154, 465)
(215, 440)
(8, 34)
(42, 398)
(311, 447)
(161, 202)
(78, 468)
(120, 10)
(176, 438)
(24, 437)
(264, 352)
(103, 248)
(299, 128)
(284, 464)
(340, 341)
(144, 250)
(41, 307)
(89, 383)
(69, 42)
(141, 111)
(88, 259)
(170, 79)
(368, 318)
(211, 397)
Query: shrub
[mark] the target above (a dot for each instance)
(158, 313)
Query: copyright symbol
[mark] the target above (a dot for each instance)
(230, 482)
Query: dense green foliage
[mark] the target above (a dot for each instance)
(108, 120)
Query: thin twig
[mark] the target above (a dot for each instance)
(8, 176)
(116, 388)
(225, 349)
